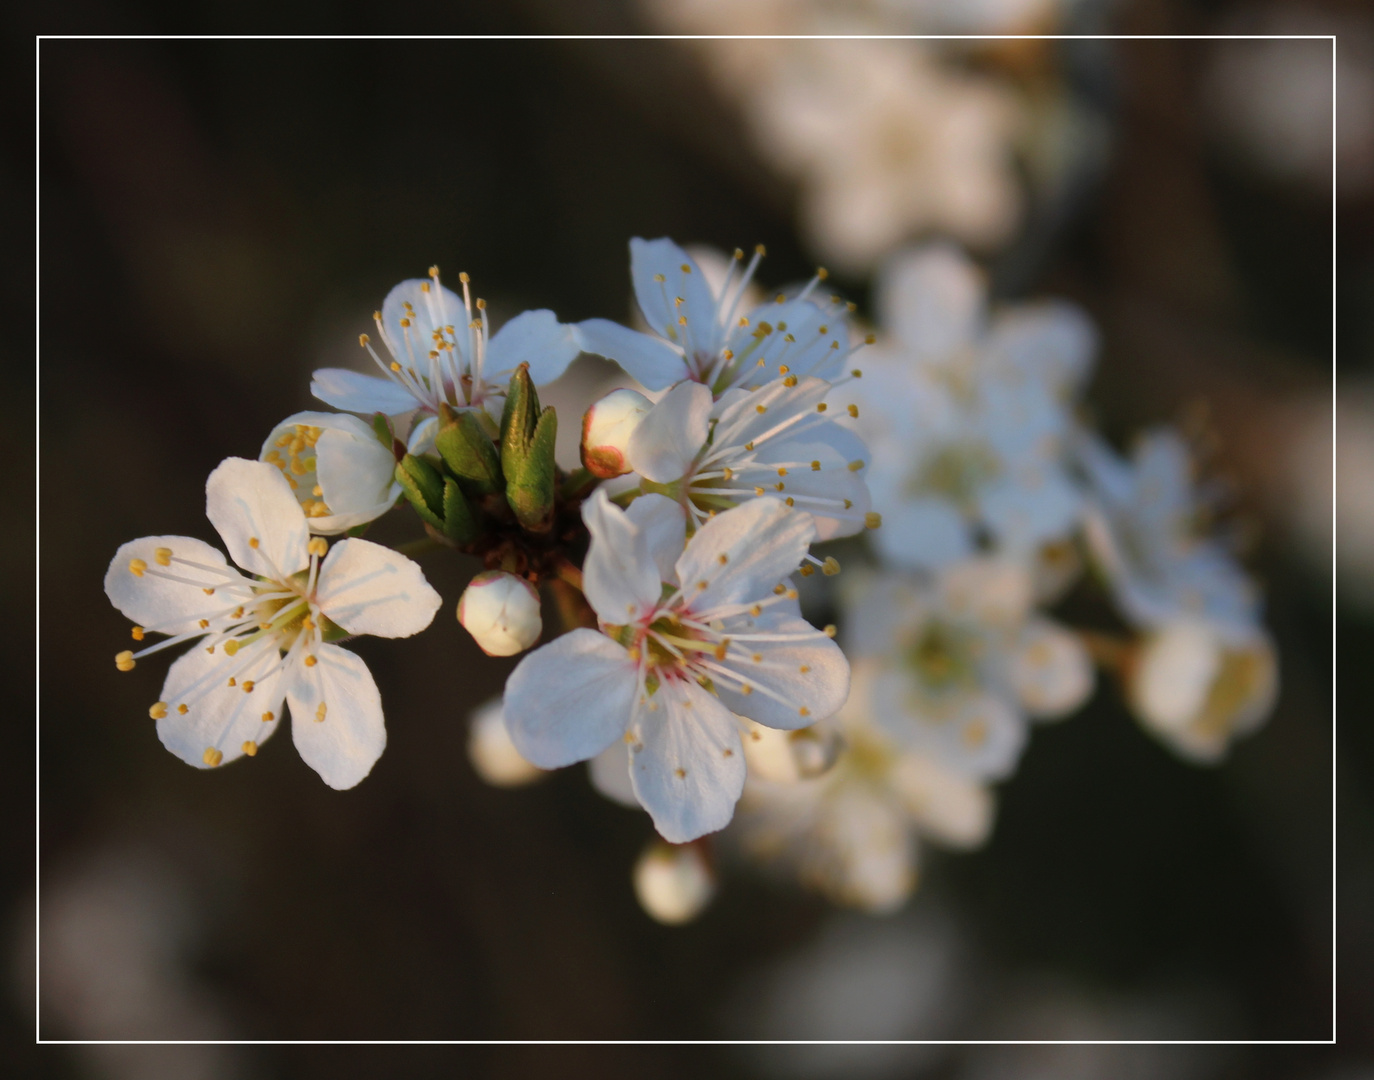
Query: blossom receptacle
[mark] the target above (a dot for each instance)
(606, 430)
(673, 882)
(501, 612)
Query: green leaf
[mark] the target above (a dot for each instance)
(468, 452)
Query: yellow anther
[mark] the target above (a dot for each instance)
(233, 681)
(231, 646)
(782, 470)
(757, 658)
(806, 570)
(205, 624)
(660, 278)
(816, 465)
(682, 320)
(851, 306)
(680, 773)
(250, 748)
(749, 446)
(804, 668)
(790, 501)
(756, 610)
(791, 380)
(723, 558)
(855, 466)
(872, 519)
(481, 304)
(267, 718)
(758, 491)
(182, 709)
(211, 757)
(318, 546)
(739, 254)
(238, 613)
(405, 321)
(831, 566)
(780, 299)
(319, 713)
(137, 566)
(253, 542)
(822, 407)
(395, 366)
(853, 411)
(729, 473)
(792, 594)
(721, 650)
(803, 711)
(163, 556)
(297, 467)
(728, 354)
(124, 661)
(703, 585)
(406, 304)
(158, 710)
(783, 369)
(760, 408)
(363, 340)
(424, 286)
(829, 630)
(317, 491)
(857, 373)
(822, 273)
(743, 321)
(463, 277)
(779, 589)
(789, 338)
(635, 654)
(848, 504)
(686, 268)
(311, 661)
(137, 633)
(248, 685)
(779, 486)
(869, 339)
(747, 689)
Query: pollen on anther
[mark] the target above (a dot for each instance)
(782, 471)
(363, 339)
(747, 689)
(319, 713)
(853, 411)
(758, 491)
(803, 711)
(233, 681)
(124, 661)
(831, 566)
(231, 647)
(163, 556)
(829, 630)
(822, 407)
(791, 380)
(318, 546)
(760, 408)
(680, 773)
(183, 709)
(779, 486)
(749, 446)
(855, 466)
(722, 558)
(806, 570)
(137, 566)
(727, 753)
(267, 718)
(250, 748)
(703, 584)
(137, 633)
(310, 660)
(756, 610)
(790, 501)
(204, 624)
(804, 668)
(253, 542)
(757, 658)
(158, 710)
(872, 520)
(248, 685)
(211, 757)
(857, 373)
(779, 589)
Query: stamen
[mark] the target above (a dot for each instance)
(158, 710)
(211, 757)
(163, 556)
(137, 566)
(124, 661)
(250, 748)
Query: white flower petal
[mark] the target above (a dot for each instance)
(356, 392)
(421, 438)
(619, 577)
(977, 734)
(570, 699)
(809, 352)
(610, 773)
(761, 541)
(653, 362)
(688, 765)
(1027, 513)
(432, 307)
(823, 482)
(251, 505)
(370, 589)
(536, 338)
(220, 718)
(1053, 341)
(922, 533)
(659, 300)
(356, 472)
(951, 809)
(1051, 670)
(155, 603)
(336, 716)
(932, 299)
(808, 673)
(667, 441)
(664, 525)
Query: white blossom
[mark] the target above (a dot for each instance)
(1197, 687)
(709, 335)
(491, 752)
(264, 633)
(501, 612)
(964, 661)
(774, 442)
(689, 637)
(338, 470)
(444, 353)
(673, 882)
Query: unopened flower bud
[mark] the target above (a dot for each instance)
(491, 751)
(673, 882)
(606, 430)
(501, 612)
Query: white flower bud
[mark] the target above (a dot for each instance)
(1197, 689)
(491, 751)
(501, 612)
(673, 882)
(606, 430)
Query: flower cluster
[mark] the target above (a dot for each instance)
(684, 669)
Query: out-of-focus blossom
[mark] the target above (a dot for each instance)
(339, 470)
(263, 635)
(963, 662)
(708, 335)
(967, 414)
(896, 16)
(774, 442)
(1271, 100)
(501, 612)
(851, 831)
(1146, 527)
(673, 882)
(671, 666)
(443, 354)
(1198, 688)
(491, 751)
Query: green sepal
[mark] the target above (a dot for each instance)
(381, 427)
(424, 487)
(460, 525)
(519, 417)
(532, 483)
(468, 452)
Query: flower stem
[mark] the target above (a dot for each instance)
(573, 609)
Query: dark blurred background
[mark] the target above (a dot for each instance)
(220, 217)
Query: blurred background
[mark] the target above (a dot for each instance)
(218, 218)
